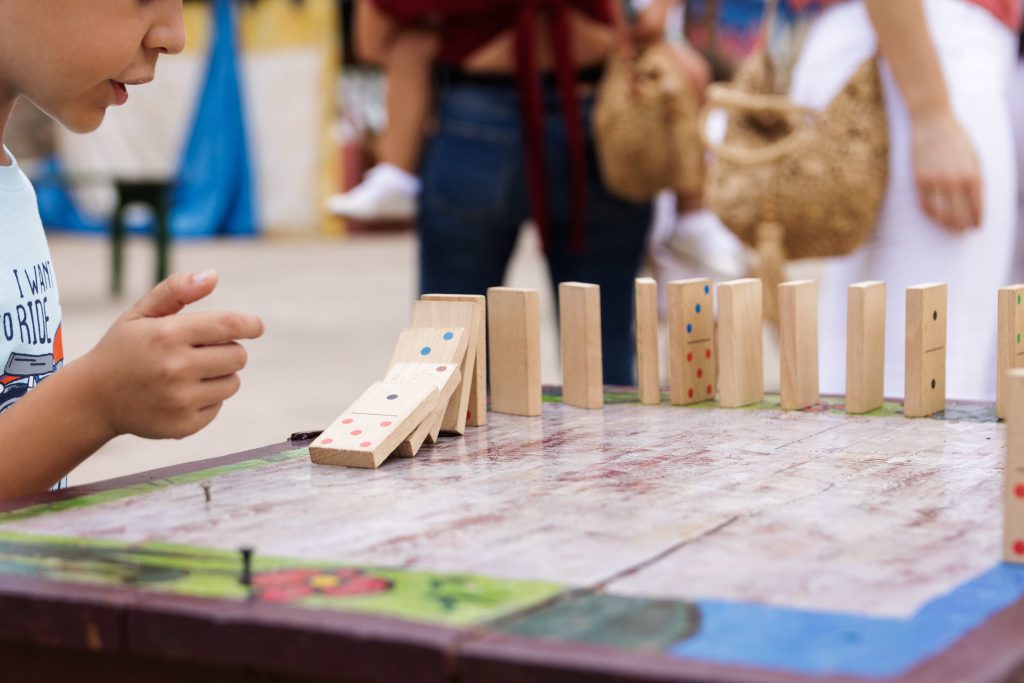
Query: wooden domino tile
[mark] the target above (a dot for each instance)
(647, 370)
(430, 345)
(740, 343)
(443, 376)
(798, 344)
(865, 346)
(579, 309)
(468, 316)
(373, 427)
(1010, 353)
(925, 386)
(691, 339)
(513, 327)
(477, 415)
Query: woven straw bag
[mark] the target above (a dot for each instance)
(645, 127)
(793, 182)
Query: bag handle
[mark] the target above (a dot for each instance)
(723, 97)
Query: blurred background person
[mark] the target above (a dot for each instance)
(949, 213)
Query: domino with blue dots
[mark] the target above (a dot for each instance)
(691, 339)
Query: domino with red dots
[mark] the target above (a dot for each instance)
(691, 340)
(469, 316)
(446, 378)
(1010, 353)
(741, 343)
(374, 426)
(925, 386)
(798, 344)
(1013, 497)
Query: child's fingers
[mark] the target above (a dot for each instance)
(173, 294)
(210, 392)
(220, 360)
(217, 327)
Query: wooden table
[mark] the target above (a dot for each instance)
(630, 543)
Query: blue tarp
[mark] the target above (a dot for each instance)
(213, 193)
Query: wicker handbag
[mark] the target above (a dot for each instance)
(792, 182)
(645, 126)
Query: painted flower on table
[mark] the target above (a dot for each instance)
(289, 585)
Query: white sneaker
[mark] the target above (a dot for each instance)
(387, 195)
(701, 237)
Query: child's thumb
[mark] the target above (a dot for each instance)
(174, 293)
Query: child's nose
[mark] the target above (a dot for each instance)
(168, 32)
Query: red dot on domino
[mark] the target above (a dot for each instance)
(707, 354)
(689, 357)
(1018, 547)
(365, 444)
(327, 441)
(689, 393)
(700, 373)
(357, 432)
(347, 421)
(710, 389)
(442, 368)
(1019, 491)
(385, 424)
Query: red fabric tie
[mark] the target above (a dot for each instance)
(532, 112)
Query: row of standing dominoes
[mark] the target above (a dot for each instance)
(435, 383)
(736, 361)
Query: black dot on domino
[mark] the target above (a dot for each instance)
(933, 384)
(935, 315)
(392, 397)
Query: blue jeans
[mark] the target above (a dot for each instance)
(475, 200)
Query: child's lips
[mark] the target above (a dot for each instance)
(120, 92)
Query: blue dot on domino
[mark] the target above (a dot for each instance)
(689, 328)
(425, 351)
(707, 289)
(698, 308)
(448, 336)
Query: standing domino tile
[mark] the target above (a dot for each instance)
(865, 346)
(456, 314)
(446, 378)
(374, 426)
(477, 415)
(740, 343)
(513, 327)
(798, 344)
(647, 370)
(1010, 353)
(925, 390)
(1013, 494)
(579, 307)
(691, 341)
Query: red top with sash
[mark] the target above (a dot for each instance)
(466, 25)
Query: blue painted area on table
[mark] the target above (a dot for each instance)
(832, 643)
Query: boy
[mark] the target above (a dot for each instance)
(157, 373)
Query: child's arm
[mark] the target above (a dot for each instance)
(157, 373)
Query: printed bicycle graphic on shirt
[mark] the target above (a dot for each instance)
(23, 371)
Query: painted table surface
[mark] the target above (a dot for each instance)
(653, 543)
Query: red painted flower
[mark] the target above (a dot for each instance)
(288, 585)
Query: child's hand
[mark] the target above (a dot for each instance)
(164, 374)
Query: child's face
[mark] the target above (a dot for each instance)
(73, 58)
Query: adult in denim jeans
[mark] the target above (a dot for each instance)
(474, 202)
(514, 143)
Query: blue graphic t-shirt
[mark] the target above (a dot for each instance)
(31, 346)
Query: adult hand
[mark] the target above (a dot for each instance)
(160, 373)
(947, 172)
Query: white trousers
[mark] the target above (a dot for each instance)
(978, 55)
